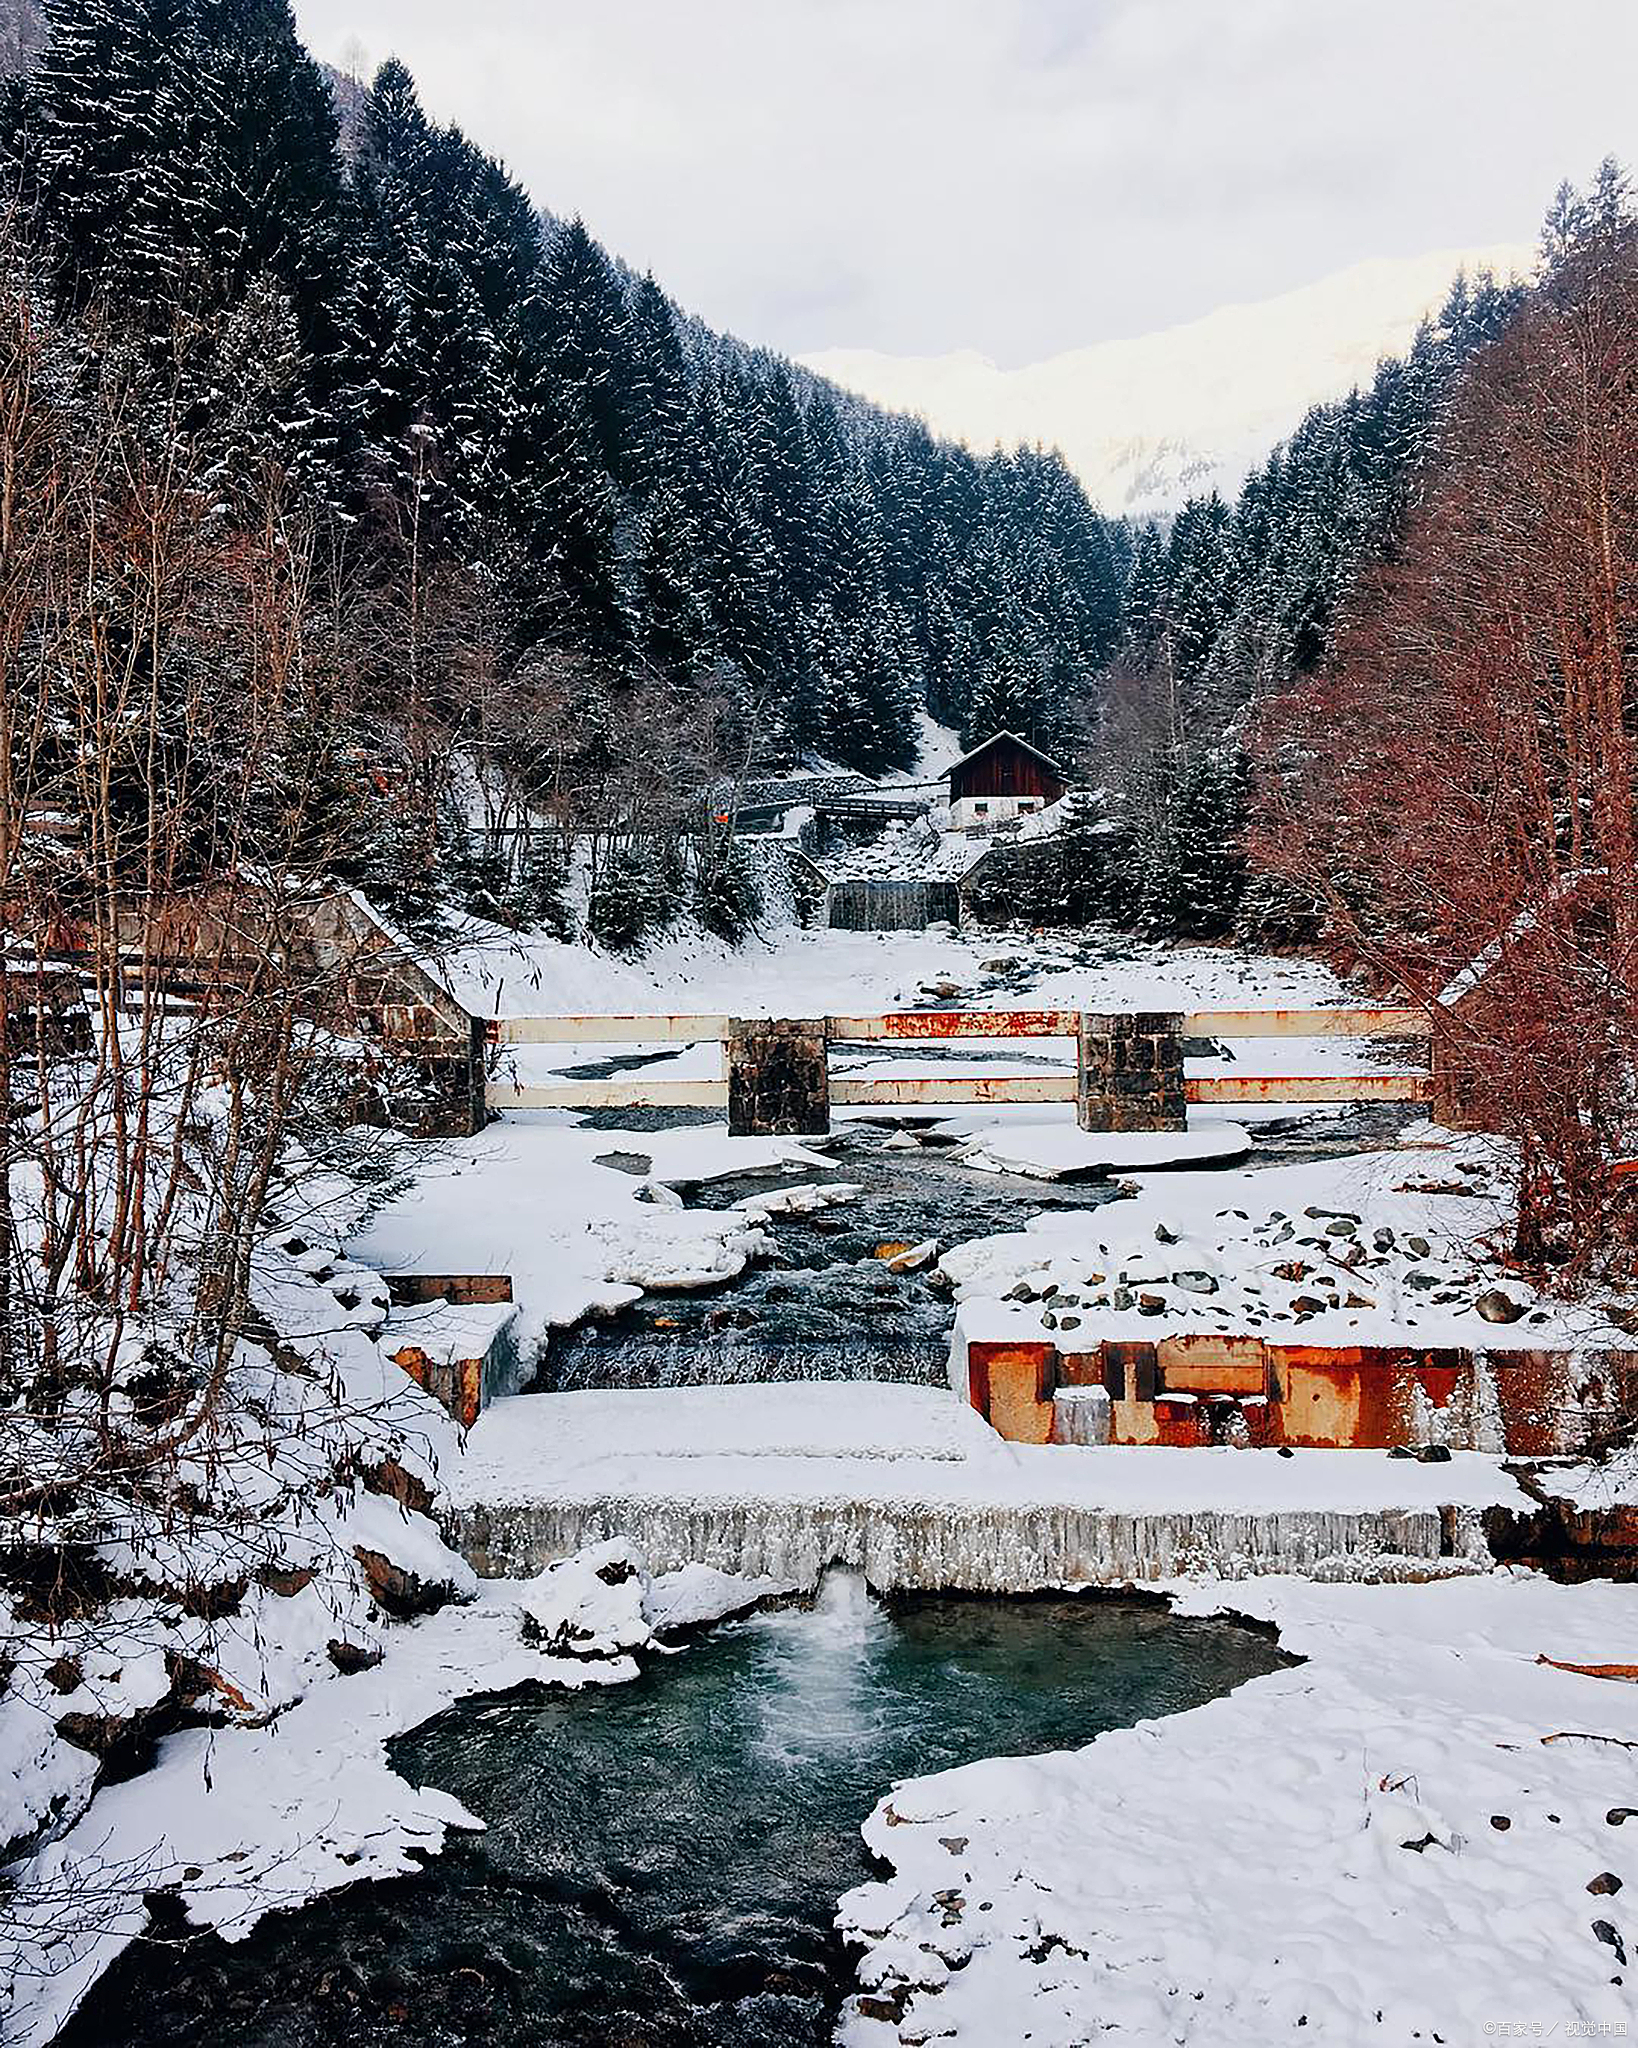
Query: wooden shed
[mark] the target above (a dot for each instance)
(1004, 778)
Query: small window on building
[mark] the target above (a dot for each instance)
(981, 810)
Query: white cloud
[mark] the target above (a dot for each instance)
(1018, 176)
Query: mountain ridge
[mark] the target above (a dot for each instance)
(1150, 420)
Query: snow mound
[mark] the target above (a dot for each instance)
(1058, 1151)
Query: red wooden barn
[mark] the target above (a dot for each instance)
(1003, 778)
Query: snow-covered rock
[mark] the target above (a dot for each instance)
(699, 1593)
(590, 1605)
(805, 1200)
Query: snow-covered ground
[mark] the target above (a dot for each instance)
(1100, 1889)
(1375, 1248)
(1422, 1833)
(876, 1442)
(251, 1581)
(1605, 1483)
(527, 1197)
(815, 973)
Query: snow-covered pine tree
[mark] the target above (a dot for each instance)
(672, 612)
(788, 516)
(110, 116)
(660, 396)
(586, 331)
(885, 691)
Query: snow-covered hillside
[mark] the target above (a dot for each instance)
(1148, 422)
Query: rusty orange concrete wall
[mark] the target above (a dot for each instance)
(457, 1386)
(406, 1289)
(1011, 1386)
(1196, 1390)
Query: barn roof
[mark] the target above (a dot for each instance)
(995, 739)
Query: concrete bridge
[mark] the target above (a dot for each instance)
(1129, 1067)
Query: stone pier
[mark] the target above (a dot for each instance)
(1129, 1072)
(778, 1077)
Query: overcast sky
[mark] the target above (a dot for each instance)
(1016, 176)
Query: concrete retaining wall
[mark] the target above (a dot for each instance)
(891, 906)
(778, 1077)
(1202, 1390)
(973, 1548)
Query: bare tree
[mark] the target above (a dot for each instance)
(1457, 785)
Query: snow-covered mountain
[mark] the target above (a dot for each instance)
(1148, 422)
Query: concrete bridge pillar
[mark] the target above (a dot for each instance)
(778, 1077)
(1129, 1072)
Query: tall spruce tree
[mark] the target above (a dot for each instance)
(475, 394)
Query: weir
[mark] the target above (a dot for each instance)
(953, 1546)
(891, 905)
(1129, 1066)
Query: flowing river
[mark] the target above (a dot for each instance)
(663, 1859)
(825, 1304)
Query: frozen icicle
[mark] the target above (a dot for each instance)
(1012, 1548)
(1081, 1415)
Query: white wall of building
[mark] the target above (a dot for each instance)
(991, 810)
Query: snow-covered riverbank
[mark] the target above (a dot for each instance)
(1395, 1246)
(714, 1496)
(1424, 1832)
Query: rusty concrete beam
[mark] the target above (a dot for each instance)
(586, 1030)
(1366, 1023)
(620, 1094)
(934, 1025)
(959, 1088)
(956, 1088)
(1311, 1088)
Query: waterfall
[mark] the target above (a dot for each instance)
(594, 1356)
(819, 1689)
(891, 906)
(961, 1546)
(846, 1608)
